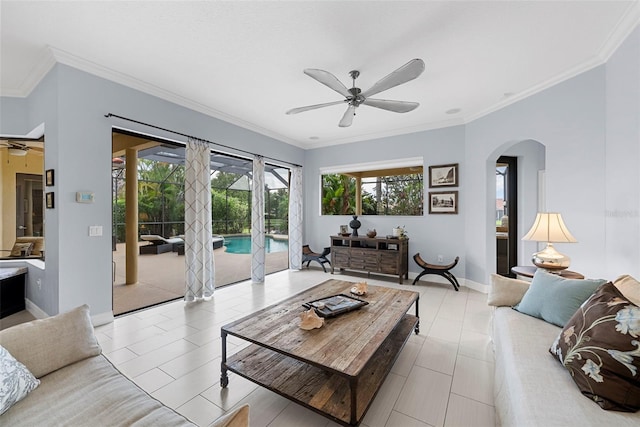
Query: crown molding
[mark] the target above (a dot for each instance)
(627, 23)
(54, 55)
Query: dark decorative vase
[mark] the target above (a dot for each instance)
(355, 224)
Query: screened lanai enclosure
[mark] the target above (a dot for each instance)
(161, 212)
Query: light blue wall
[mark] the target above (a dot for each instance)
(569, 120)
(73, 104)
(430, 235)
(584, 132)
(13, 116)
(622, 159)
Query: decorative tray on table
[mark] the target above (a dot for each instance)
(335, 305)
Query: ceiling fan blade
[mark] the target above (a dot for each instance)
(347, 119)
(407, 72)
(313, 107)
(329, 80)
(395, 106)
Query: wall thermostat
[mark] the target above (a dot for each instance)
(84, 197)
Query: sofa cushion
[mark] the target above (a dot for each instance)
(600, 346)
(15, 381)
(629, 287)
(91, 392)
(505, 291)
(553, 298)
(33, 343)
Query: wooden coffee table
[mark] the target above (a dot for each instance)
(336, 370)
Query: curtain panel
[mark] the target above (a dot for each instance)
(295, 219)
(257, 222)
(197, 229)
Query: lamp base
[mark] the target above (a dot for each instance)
(550, 259)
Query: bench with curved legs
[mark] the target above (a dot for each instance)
(440, 270)
(308, 255)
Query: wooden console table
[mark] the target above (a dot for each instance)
(373, 255)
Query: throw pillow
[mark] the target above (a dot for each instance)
(70, 334)
(15, 381)
(600, 346)
(21, 249)
(553, 298)
(505, 291)
(629, 287)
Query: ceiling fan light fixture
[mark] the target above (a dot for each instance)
(15, 151)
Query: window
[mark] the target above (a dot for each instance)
(382, 191)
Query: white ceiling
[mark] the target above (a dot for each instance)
(243, 61)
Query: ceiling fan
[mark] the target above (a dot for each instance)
(20, 148)
(355, 97)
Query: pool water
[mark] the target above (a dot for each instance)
(242, 245)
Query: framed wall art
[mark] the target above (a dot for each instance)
(443, 175)
(49, 200)
(49, 178)
(443, 202)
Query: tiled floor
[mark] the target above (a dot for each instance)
(443, 377)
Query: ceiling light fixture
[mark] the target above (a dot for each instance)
(453, 111)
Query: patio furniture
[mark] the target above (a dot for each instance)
(440, 270)
(308, 255)
(158, 244)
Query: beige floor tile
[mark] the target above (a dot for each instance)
(185, 388)
(152, 380)
(383, 404)
(228, 397)
(424, 396)
(464, 412)
(295, 415)
(473, 378)
(146, 362)
(446, 329)
(401, 420)
(438, 355)
(406, 358)
(181, 348)
(192, 360)
(475, 345)
(200, 411)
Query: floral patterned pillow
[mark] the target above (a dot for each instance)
(600, 346)
(15, 381)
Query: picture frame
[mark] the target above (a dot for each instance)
(50, 200)
(443, 175)
(344, 230)
(49, 178)
(443, 202)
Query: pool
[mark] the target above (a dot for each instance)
(242, 244)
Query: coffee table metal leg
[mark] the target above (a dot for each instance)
(417, 329)
(224, 378)
(353, 384)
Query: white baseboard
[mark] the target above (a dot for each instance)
(35, 311)
(102, 318)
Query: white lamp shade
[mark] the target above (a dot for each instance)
(549, 227)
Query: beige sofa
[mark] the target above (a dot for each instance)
(78, 385)
(531, 387)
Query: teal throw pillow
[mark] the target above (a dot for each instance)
(554, 299)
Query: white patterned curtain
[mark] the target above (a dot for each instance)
(295, 219)
(257, 221)
(198, 243)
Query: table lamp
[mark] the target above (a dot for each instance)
(549, 227)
